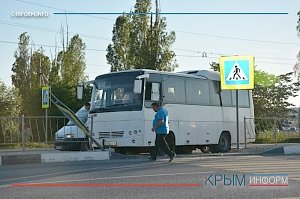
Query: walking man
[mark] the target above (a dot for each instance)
(236, 72)
(161, 128)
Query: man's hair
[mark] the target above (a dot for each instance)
(156, 104)
(87, 104)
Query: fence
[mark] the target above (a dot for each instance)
(16, 132)
(273, 130)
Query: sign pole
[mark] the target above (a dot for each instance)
(237, 73)
(46, 126)
(237, 120)
(45, 105)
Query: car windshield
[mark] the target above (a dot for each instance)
(114, 92)
(82, 115)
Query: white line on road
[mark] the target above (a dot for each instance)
(80, 170)
(121, 177)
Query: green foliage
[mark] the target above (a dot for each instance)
(30, 71)
(72, 62)
(10, 101)
(139, 41)
(215, 66)
(271, 100)
(263, 78)
(67, 95)
(39, 64)
(268, 137)
(20, 68)
(67, 70)
(27, 70)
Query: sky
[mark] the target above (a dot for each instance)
(271, 39)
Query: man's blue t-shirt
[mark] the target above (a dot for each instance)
(162, 114)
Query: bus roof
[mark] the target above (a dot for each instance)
(206, 74)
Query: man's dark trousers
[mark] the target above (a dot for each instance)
(160, 143)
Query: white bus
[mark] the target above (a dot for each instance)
(200, 114)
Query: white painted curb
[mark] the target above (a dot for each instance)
(289, 150)
(74, 156)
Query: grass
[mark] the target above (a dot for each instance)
(30, 145)
(268, 137)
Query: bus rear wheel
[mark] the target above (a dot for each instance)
(224, 144)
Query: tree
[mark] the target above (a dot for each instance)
(32, 67)
(67, 70)
(271, 94)
(27, 70)
(73, 62)
(39, 65)
(10, 103)
(118, 52)
(140, 42)
(20, 68)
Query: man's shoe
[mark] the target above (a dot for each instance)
(172, 158)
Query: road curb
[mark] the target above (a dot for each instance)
(291, 150)
(54, 157)
(283, 150)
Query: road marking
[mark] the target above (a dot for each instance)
(119, 177)
(287, 198)
(79, 170)
(160, 162)
(105, 185)
(3, 186)
(267, 165)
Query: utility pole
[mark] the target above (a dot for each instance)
(156, 30)
(156, 11)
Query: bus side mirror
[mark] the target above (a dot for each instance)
(137, 89)
(80, 91)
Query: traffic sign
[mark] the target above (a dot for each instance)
(45, 97)
(237, 72)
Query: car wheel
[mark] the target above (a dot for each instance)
(84, 146)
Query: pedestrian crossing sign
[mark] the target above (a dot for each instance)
(45, 97)
(237, 72)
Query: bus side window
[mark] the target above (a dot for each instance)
(152, 92)
(243, 98)
(226, 98)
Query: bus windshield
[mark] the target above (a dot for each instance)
(114, 92)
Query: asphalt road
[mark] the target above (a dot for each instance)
(138, 177)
